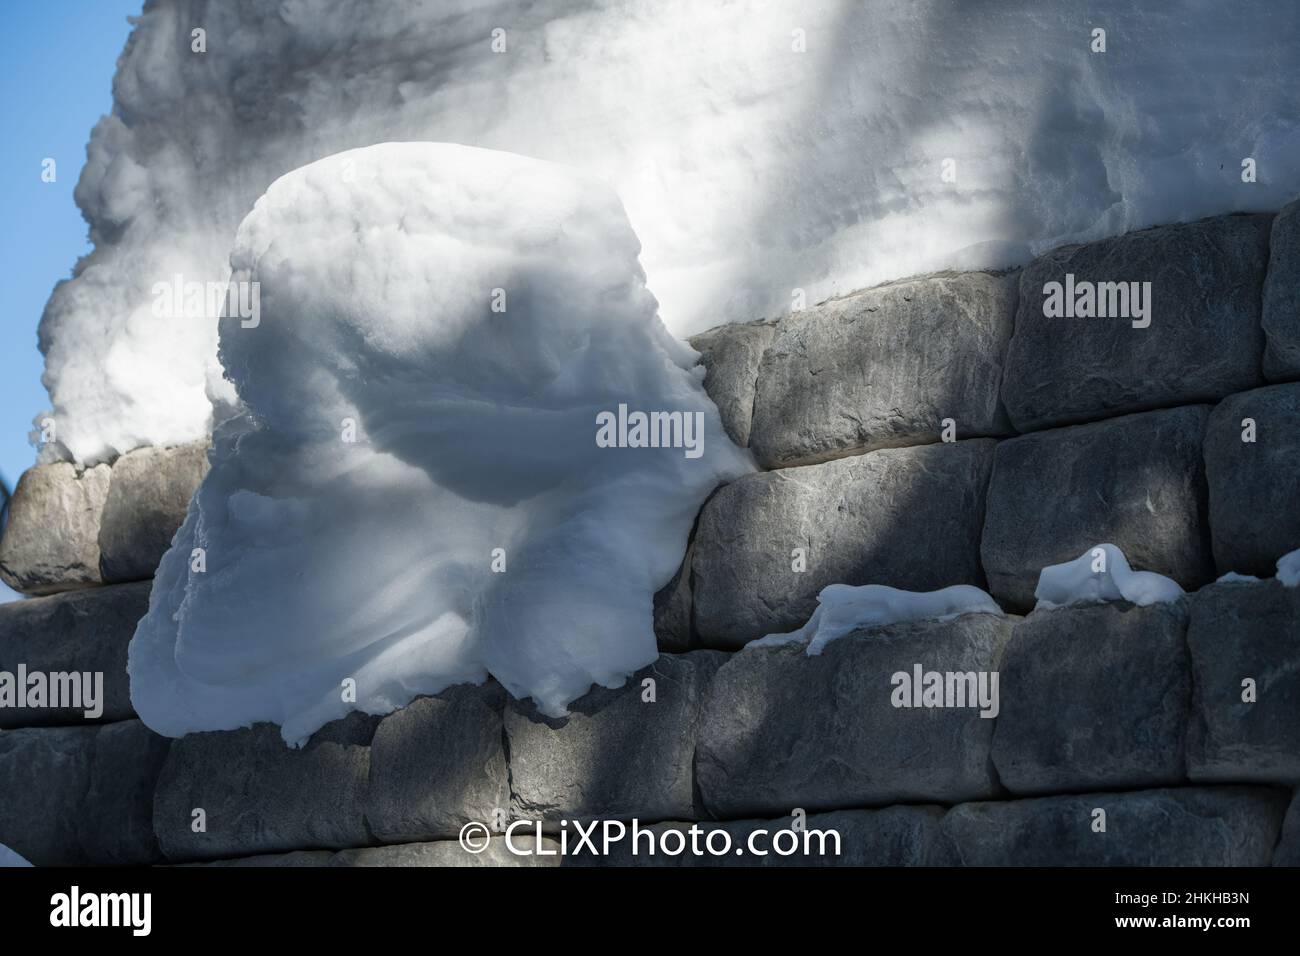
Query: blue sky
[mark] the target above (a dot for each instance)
(56, 71)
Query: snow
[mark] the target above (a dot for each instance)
(8, 858)
(373, 560)
(1099, 575)
(1288, 569)
(1232, 577)
(758, 147)
(843, 609)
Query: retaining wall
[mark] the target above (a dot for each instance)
(1125, 736)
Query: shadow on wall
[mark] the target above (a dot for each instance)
(1055, 169)
(986, 193)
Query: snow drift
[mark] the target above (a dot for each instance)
(1100, 575)
(1288, 569)
(843, 609)
(474, 525)
(8, 858)
(758, 147)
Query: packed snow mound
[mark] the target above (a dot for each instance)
(758, 147)
(1100, 575)
(8, 858)
(1232, 577)
(1288, 569)
(843, 609)
(420, 491)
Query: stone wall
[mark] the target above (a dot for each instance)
(1125, 735)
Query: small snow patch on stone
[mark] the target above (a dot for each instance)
(1101, 575)
(842, 609)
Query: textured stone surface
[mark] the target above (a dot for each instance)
(893, 836)
(51, 542)
(438, 764)
(1239, 631)
(44, 773)
(1204, 340)
(75, 796)
(260, 796)
(1193, 826)
(1094, 697)
(1288, 847)
(782, 730)
(730, 355)
(883, 368)
(438, 853)
(616, 756)
(148, 495)
(905, 517)
(1137, 482)
(451, 853)
(297, 858)
(674, 631)
(83, 631)
(1281, 321)
(117, 822)
(1254, 486)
